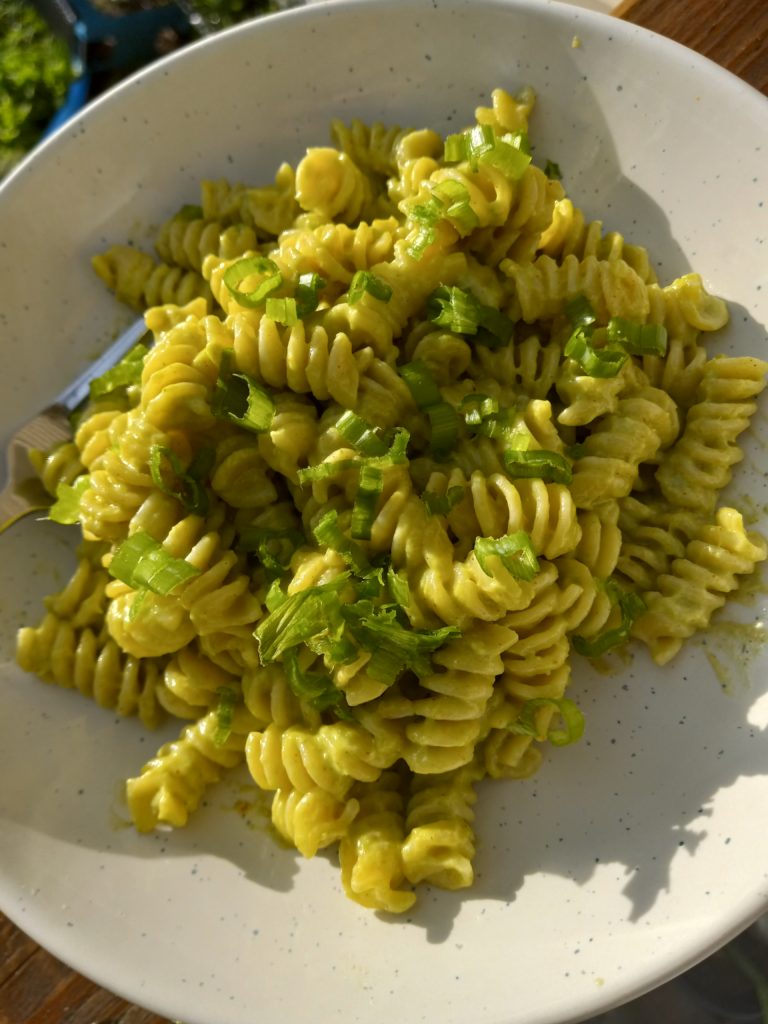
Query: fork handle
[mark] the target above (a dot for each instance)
(18, 501)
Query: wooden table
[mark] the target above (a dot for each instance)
(35, 988)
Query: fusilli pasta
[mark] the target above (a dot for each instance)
(411, 431)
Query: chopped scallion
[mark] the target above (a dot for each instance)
(638, 339)
(123, 375)
(595, 362)
(273, 548)
(421, 384)
(298, 618)
(571, 730)
(363, 281)
(444, 428)
(282, 311)
(514, 551)
(369, 491)
(316, 688)
(462, 313)
(225, 708)
(441, 504)
(307, 293)
(189, 486)
(580, 312)
(66, 507)
(241, 399)
(246, 267)
(141, 561)
(360, 434)
(398, 587)
(539, 464)
(328, 533)
(630, 604)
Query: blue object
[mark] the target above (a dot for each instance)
(107, 45)
(126, 39)
(111, 37)
(77, 96)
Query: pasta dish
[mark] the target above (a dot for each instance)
(411, 437)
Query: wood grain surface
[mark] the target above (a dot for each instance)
(35, 988)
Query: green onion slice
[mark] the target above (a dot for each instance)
(601, 362)
(444, 425)
(66, 507)
(298, 618)
(421, 384)
(328, 533)
(631, 606)
(508, 158)
(282, 311)
(239, 398)
(189, 211)
(241, 269)
(514, 550)
(397, 584)
(364, 282)
(123, 375)
(538, 463)
(552, 171)
(571, 729)
(394, 646)
(392, 456)
(580, 312)
(316, 688)
(638, 339)
(225, 708)
(273, 548)
(141, 561)
(459, 311)
(428, 213)
(441, 504)
(189, 488)
(424, 238)
(369, 491)
(454, 308)
(307, 293)
(509, 153)
(477, 408)
(360, 434)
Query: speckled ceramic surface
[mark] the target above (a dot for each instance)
(631, 854)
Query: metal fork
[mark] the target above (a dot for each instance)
(23, 491)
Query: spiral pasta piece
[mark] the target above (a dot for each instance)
(440, 843)
(172, 784)
(542, 287)
(372, 147)
(644, 422)
(696, 586)
(370, 853)
(495, 505)
(71, 649)
(330, 758)
(330, 184)
(140, 282)
(570, 234)
(700, 465)
(444, 725)
(185, 242)
(312, 820)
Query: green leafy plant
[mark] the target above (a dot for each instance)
(35, 74)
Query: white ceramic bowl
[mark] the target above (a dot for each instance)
(630, 855)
